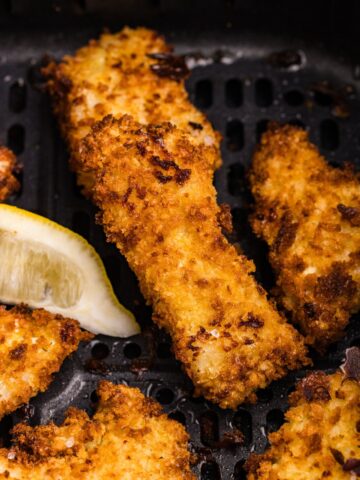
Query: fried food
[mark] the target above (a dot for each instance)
(157, 202)
(33, 346)
(128, 438)
(8, 182)
(320, 438)
(131, 72)
(309, 214)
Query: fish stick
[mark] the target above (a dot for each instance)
(158, 205)
(309, 214)
(320, 439)
(33, 346)
(8, 166)
(131, 72)
(128, 438)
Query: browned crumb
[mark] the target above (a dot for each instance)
(128, 438)
(130, 72)
(321, 436)
(33, 346)
(159, 206)
(8, 182)
(309, 214)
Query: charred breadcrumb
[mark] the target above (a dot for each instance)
(33, 346)
(131, 72)
(8, 182)
(309, 214)
(128, 438)
(321, 437)
(158, 205)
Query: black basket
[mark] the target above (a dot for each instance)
(256, 61)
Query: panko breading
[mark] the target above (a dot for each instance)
(158, 204)
(33, 346)
(320, 439)
(309, 214)
(8, 182)
(128, 438)
(131, 72)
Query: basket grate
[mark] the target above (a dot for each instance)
(239, 98)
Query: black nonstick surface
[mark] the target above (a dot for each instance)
(240, 81)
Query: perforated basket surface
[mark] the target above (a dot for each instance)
(240, 90)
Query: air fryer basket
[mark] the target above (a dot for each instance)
(253, 61)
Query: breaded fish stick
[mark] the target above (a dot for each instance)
(8, 182)
(128, 438)
(158, 204)
(320, 439)
(33, 346)
(309, 214)
(131, 72)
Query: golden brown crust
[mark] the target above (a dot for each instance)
(321, 437)
(8, 182)
(33, 346)
(131, 72)
(308, 213)
(159, 206)
(128, 438)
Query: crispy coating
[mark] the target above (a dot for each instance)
(309, 214)
(115, 75)
(33, 345)
(8, 183)
(154, 189)
(128, 438)
(320, 439)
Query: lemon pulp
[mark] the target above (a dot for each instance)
(46, 265)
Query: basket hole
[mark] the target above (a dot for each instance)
(235, 179)
(261, 128)
(81, 224)
(263, 92)
(76, 188)
(297, 123)
(112, 267)
(294, 98)
(179, 417)
(6, 425)
(274, 420)
(239, 471)
(165, 396)
(234, 135)
(323, 99)
(243, 421)
(329, 134)
(16, 139)
(332, 350)
(17, 96)
(203, 94)
(209, 428)
(210, 471)
(233, 93)
(100, 351)
(265, 395)
(20, 177)
(94, 397)
(5, 6)
(164, 350)
(132, 350)
(81, 4)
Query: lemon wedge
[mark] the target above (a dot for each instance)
(48, 266)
